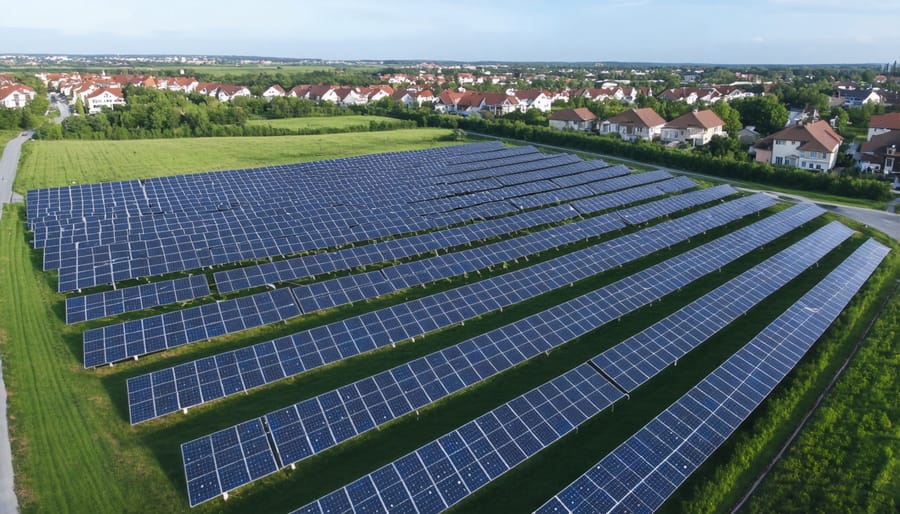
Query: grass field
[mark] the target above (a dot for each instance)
(74, 450)
(323, 122)
(60, 163)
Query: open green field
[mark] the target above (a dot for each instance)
(75, 451)
(60, 163)
(324, 122)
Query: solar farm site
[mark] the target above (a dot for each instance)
(434, 329)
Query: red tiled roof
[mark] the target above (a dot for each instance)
(115, 92)
(817, 136)
(889, 121)
(645, 117)
(700, 119)
(576, 115)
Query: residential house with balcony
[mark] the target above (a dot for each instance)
(810, 146)
(694, 128)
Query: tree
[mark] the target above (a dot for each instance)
(765, 113)
(842, 118)
(79, 106)
(730, 116)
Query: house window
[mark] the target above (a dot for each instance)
(888, 162)
(779, 142)
(813, 154)
(818, 166)
(779, 160)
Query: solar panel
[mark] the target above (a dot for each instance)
(223, 461)
(220, 375)
(131, 339)
(450, 468)
(646, 469)
(128, 299)
(640, 357)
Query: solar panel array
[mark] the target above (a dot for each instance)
(316, 424)
(121, 341)
(640, 474)
(640, 357)
(443, 472)
(135, 298)
(302, 214)
(203, 380)
(339, 291)
(348, 258)
(427, 208)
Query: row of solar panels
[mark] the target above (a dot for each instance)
(318, 423)
(165, 391)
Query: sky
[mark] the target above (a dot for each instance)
(676, 31)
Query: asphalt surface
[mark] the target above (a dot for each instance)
(8, 163)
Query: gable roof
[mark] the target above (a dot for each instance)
(115, 92)
(645, 117)
(817, 136)
(880, 143)
(705, 119)
(890, 121)
(575, 115)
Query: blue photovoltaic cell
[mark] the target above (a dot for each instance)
(635, 360)
(128, 299)
(113, 343)
(659, 457)
(316, 347)
(450, 468)
(226, 460)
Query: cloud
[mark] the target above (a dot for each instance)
(758, 40)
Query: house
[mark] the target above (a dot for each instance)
(534, 99)
(448, 101)
(811, 146)
(14, 95)
(496, 103)
(882, 123)
(634, 124)
(323, 93)
(695, 128)
(689, 95)
(227, 92)
(300, 91)
(857, 97)
(375, 93)
(748, 135)
(103, 97)
(350, 96)
(184, 84)
(573, 119)
(273, 91)
(879, 153)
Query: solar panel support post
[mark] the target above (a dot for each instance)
(225, 496)
(184, 410)
(293, 466)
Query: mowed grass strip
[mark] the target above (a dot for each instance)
(71, 453)
(325, 122)
(61, 163)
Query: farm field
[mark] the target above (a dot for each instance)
(75, 450)
(60, 163)
(324, 122)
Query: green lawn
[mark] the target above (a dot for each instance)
(74, 450)
(60, 163)
(325, 122)
(6, 136)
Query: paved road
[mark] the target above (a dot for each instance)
(885, 221)
(8, 163)
(63, 107)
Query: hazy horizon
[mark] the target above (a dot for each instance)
(773, 32)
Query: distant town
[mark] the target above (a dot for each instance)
(827, 117)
